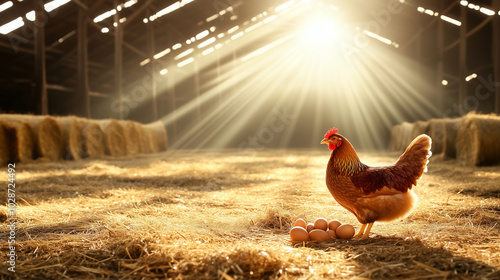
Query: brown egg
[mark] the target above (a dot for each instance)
(309, 227)
(321, 223)
(300, 223)
(345, 231)
(299, 234)
(331, 234)
(318, 235)
(334, 224)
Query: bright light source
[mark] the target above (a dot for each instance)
(255, 26)
(188, 41)
(144, 62)
(185, 62)
(122, 20)
(161, 54)
(11, 26)
(450, 20)
(183, 54)
(212, 29)
(238, 35)
(176, 46)
(269, 19)
(233, 17)
(5, 6)
(378, 37)
(30, 16)
(202, 34)
(220, 35)
(163, 72)
(206, 43)
(169, 9)
(421, 9)
(207, 51)
(218, 46)
(445, 82)
(232, 29)
(429, 12)
(129, 3)
(470, 77)
(210, 18)
(464, 3)
(284, 6)
(185, 2)
(145, 20)
(487, 11)
(104, 16)
(49, 7)
(319, 30)
(105, 30)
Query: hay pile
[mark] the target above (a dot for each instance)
(72, 137)
(6, 150)
(436, 132)
(22, 143)
(478, 141)
(133, 137)
(47, 135)
(93, 139)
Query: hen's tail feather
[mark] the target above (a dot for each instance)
(416, 157)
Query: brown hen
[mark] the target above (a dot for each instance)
(375, 193)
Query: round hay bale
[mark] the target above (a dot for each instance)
(436, 132)
(478, 140)
(395, 141)
(419, 127)
(93, 139)
(450, 137)
(406, 135)
(6, 143)
(72, 137)
(22, 143)
(47, 134)
(115, 142)
(132, 137)
(157, 136)
(143, 139)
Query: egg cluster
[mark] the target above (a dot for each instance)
(321, 230)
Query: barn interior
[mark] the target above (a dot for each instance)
(179, 139)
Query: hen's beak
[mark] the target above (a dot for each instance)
(324, 141)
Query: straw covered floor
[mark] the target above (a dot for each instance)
(226, 215)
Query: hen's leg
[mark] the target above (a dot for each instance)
(367, 232)
(361, 230)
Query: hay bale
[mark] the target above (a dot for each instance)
(478, 140)
(132, 136)
(406, 135)
(72, 137)
(450, 137)
(395, 140)
(6, 144)
(47, 134)
(22, 140)
(93, 139)
(115, 141)
(143, 139)
(157, 136)
(436, 132)
(419, 127)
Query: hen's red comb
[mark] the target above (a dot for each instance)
(330, 132)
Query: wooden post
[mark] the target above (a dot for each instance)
(440, 58)
(496, 54)
(152, 62)
(40, 73)
(82, 68)
(462, 58)
(118, 60)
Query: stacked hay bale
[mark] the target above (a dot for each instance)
(144, 146)
(47, 133)
(436, 132)
(478, 140)
(157, 135)
(450, 137)
(406, 135)
(72, 137)
(133, 137)
(115, 141)
(22, 142)
(6, 148)
(395, 141)
(419, 127)
(93, 139)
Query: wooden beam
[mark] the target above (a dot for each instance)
(470, 33)
(83, 65)
(496, 55)
(118, 62)
(40, 74)
(82, 5)
(152, 64)
(137, 12)
(462, 58)
(440, 63)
